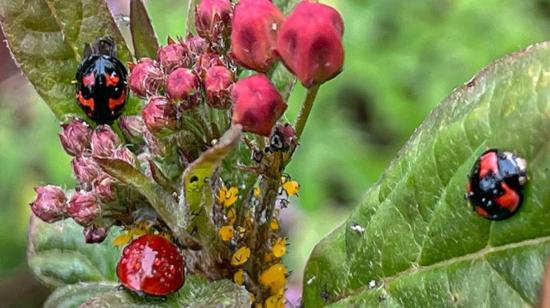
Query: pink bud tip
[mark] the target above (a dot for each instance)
(83, 207)
(217, 85)
(85, 169)
(132, 127)
(254, 34)
(172, 56)
(183, 86)
(145, 77)
(213, 18)
(104, 188)
(49, 204)
(104, 141)
(159, 115)
(257, 105)
(75, 137)
(310, 43)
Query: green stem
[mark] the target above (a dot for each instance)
(305, 111)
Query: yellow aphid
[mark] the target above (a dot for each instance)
(257, 192)
(291, 188)
(240, 256)
(122, 239)
(274, 278)
(231, 216)
(268, 257)
(274, 224)
(227, 197)
(275, 301)
(279, 248)
(238, 277)
(226, 233)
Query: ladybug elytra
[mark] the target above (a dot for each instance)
(152, 265)
(495, 183)
(101, 87)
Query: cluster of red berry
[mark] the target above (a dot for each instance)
(195, 90)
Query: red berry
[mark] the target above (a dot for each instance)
(257, 105)
(310, 43)
(153, 265)
(254, 34)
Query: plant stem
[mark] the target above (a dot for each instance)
(305, 111)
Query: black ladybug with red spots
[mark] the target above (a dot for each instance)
(101, 87)
(495, 184)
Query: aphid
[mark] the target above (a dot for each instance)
(240, 256)
(226, 233)
(274, 277)
(238, 277)
(227, 197)
(279, 248)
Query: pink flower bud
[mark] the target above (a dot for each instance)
(213, 18)
(85, 169)
(124, 154)
(49, 204)
(183, 86)
(75, 137)
(172, 56)
(217, 85)
(145, 77)
(156, 147)
(310, 43)
(104, 141)
(132, 127)
(257, 105)
(94, 234)
(83, 207)
(104, 188)
(254, 34)
(196, 46)
(206, 61)
(159, 115)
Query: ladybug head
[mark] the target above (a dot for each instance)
(104, 45)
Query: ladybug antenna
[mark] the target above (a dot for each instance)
(87, 50)
(105, 45)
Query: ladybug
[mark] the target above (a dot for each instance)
(151, 265)
(495, 183)
(101, 87)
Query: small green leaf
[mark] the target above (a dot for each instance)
(414, 242)
(73, 295)
(58, 254)
(195, 293)
(286, 6)
(47, 38)
(283, 79)
(162, 201)
(144, 37)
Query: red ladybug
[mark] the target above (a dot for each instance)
(151, 265)
(495, 183)
(101, 87)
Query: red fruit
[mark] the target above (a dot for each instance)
(153, 265)
(310, 43)
(254, 34)
(217, 85)
(213, 18)
(257, 105)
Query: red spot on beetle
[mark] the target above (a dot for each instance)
(113, 102)
(88, 80)
(510, 199)
(488, 163)
(86, 102)
(112, 80)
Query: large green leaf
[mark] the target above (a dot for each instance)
(47, 39)
(58, 254)
(413, 242)
(195, 293)
(144, 37)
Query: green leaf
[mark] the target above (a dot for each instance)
(144, 37)
(73, 295)
(286, 6)
(58, 254)
(47, 39)
(414, 242)
(195, 293)
(283, 79)
(162, 201)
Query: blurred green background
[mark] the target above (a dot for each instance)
(402, 58)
